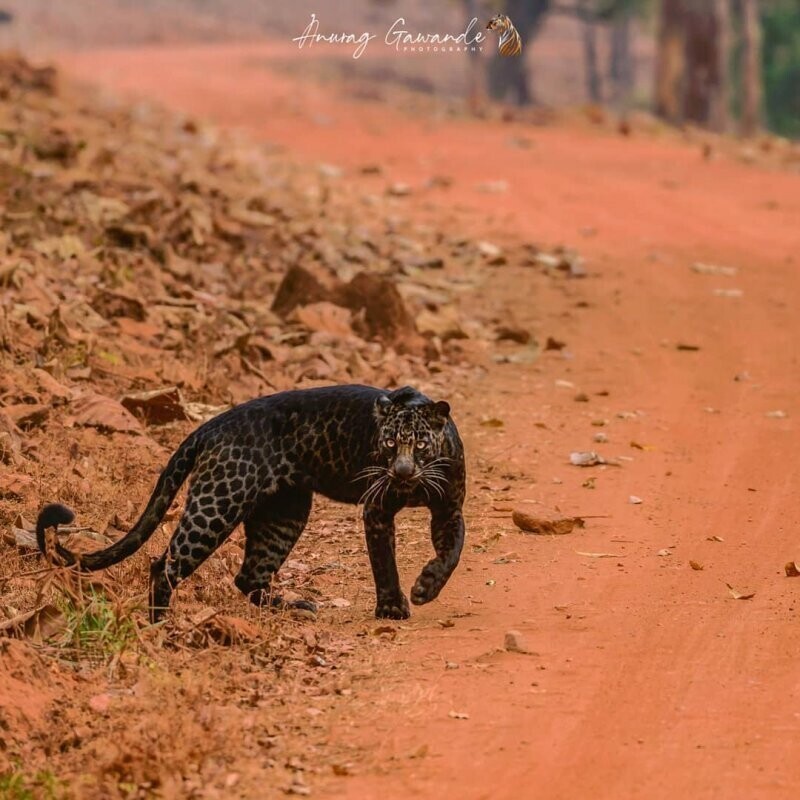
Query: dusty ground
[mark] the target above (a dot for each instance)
(646, 677)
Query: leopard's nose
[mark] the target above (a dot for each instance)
(404, 468)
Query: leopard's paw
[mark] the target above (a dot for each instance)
(425, 589)
(393, 609)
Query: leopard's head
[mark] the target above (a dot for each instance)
(410, 442)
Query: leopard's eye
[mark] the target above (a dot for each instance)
(421, 444)
(390, 443)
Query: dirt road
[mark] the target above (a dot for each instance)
(647, 678)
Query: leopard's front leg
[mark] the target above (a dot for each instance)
(447, 534)
(379, 529)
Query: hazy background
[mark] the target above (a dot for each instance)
(729, 65)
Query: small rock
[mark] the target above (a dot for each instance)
(330, 171)
(586, 459)
(399, 190)
(776, 414)
(713, 269)
(512, 333)
(492, 253)
(514, 642)
(298, 788)
(634, 500)
(493, 187)
(600, 437)
(488, 249)
(100, 703)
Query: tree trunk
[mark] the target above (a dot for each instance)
(751, 68)
(594, 90)
(622, 69)
(720, 101)
(670, 61)
(476, 78)
(692, 80)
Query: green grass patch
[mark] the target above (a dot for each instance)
(96, 626)
(43, 785)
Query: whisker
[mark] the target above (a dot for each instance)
(379, 487)
(434, 477)
(371, 490)
(369, 471)
(425, 489)
(386, 486)
(435, 486)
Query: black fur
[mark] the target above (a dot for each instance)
(260, 464)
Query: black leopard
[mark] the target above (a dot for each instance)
(260, 464)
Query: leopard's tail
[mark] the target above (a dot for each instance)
(169, 482)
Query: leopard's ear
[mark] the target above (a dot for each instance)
(439, 412)
(382, 405)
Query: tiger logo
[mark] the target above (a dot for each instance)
(510, 43)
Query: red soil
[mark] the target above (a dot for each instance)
(648, 679)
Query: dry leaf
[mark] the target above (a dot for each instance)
(96, 411)
(507, 558)
(14, 485)
(208, 625)
(156, 407)
(696, 565)
(557, 527)
(600, 555)
(39, 625)
(24, 539)
(713, 269)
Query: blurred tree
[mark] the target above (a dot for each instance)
(781, 65)
(476, 79)
(508, 76)
(622, 69)
(594, 84)
(751, 68)
(617, 16)
(692, 74)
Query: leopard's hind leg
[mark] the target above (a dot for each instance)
(272, 527)
(214, 507)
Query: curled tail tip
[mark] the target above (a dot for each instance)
(54, 514)
(51, 516)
